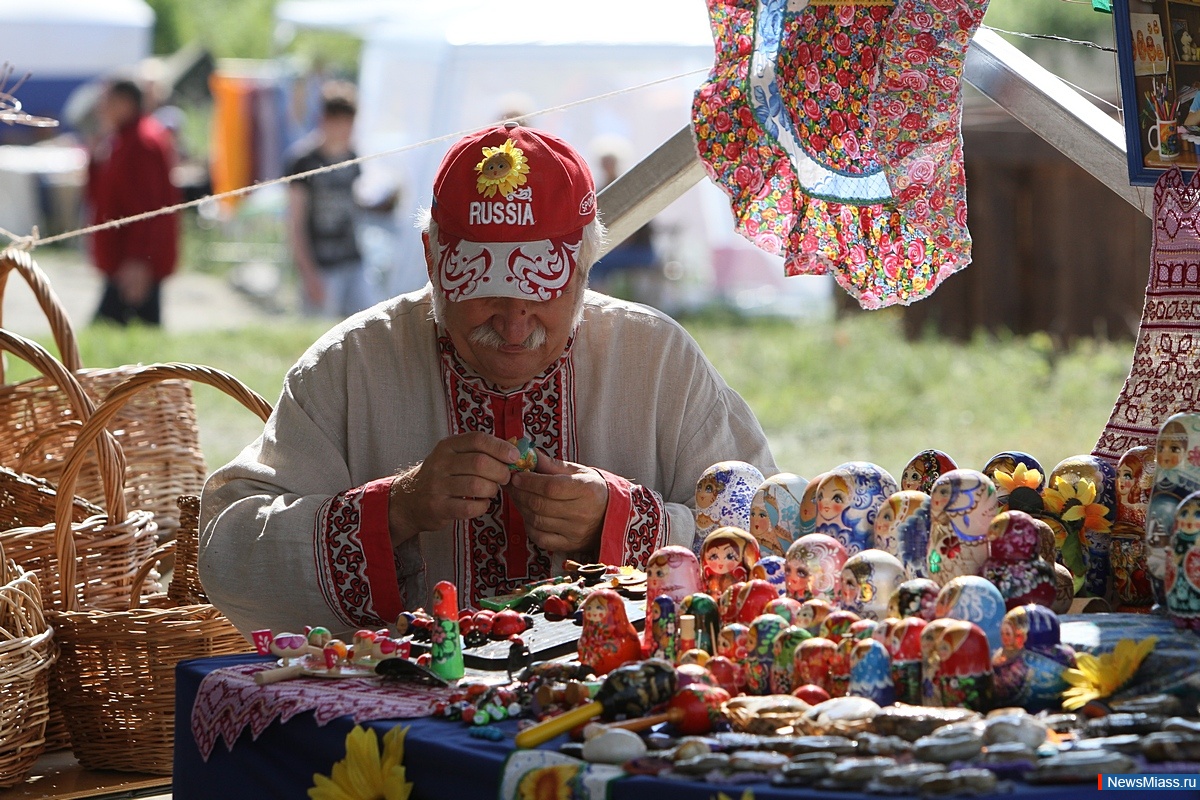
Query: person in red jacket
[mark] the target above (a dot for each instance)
(130, 173)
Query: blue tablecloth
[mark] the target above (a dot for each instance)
(442, 760)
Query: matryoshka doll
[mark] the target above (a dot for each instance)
(771, 569)
(1015, 471)
(814, 663)
(915, 598)
(904, 648)
(974, 599)
(1014, 564)
(703, 608)
(1093, 543)
(962, 675)
(673, 571)
(923, 469)
(836, 625)
(1064, 589)
(446, 656)
(814, 568)
(783, 662)
(723, 496)
(785, 607)
(732, 642)
(839, 669)
(893, 514)
(1127, 552)
(1175, 477)
(1183, 570)
(727, 557)
(662, 623)
(750, 598)
(848, 498)
(812, 613)
(961, 507)
(775, 512)
(930, 695)
(871, 672)
(808, 506)
(761, 656)
(864, 628)
(608, 640)
(1028, 666)
(868, 580)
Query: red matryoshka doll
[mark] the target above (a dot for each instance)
(925, 468)
(732, 642)
(883, 629)
(723, 496)
(868, 580)
(785, 607)
(673, 571)
(871, 672)
(813, 568)
(703, 608)
(783, 658)
(727, 603)
(904, 647)
(915, 598)
(814, 663)
(1183, 567)
(893, 515)
(929, 660)
(863, 629)
(963, 671)
(1014, 564)
(727, 556)
(839, 670)
(848, 500)
(1134, 481)
(808, 506)
(729, 675)
(750, 600)
(813, 613)
(961, 507)
(608, 639)
(1127, 551)
(836, 625)
(760, 640)
(446, 656)
(775, 512)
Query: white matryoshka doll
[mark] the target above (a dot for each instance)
(977, 600)
(923, 469)
(1015, 471)
(893, 515)
(808, 505)
(1085, 551)
(961, 508)
(814, 568)
(723, 496)
(848, 499)
(775, 512)
(1183, 567)
(1175, 478)
(1127, 553)
(868, 580)
(773, 570)
(673, 571)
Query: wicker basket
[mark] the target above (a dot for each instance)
(116, 675)
(27, 651)
(158, 430)
(766, 714)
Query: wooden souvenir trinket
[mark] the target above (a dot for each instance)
(608, 639)
(446, 652)
(775, 512)
(813, 568)
(961, 665)
(977, 600)
(1087, 514)
(814, 663)
(760, 657)
(894, 515)
(871, 672)
(723, 496)
(836, 625)
(904, 650)
(527, 460)
(706, 620)
(1183, 565)
(751, 598)
(848, 499)
(662, 622)
(1014, 564)
(923, 469)
(785, 607)
(727, 556)
(782, 677)
(868, 580)
(1016, 472)
(1028, 667)
(771, 569)
(808, 506)
(915, 598)
(961, 507)
(812, 613)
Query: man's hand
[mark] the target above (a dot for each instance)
(456, 481)
(562, 504)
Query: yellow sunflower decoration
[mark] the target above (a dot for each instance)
(502, 170)
(1096, 677)
(365, 773)
(1020, 476)
(1076, 502)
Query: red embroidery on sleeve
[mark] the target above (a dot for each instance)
(635, 523)
(353, 553)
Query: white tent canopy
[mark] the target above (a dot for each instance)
(74, 38)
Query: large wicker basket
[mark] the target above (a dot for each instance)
(116, 676)
(157, 431)
(27, 651)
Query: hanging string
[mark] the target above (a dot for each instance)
(31, 241)
(1052, 38)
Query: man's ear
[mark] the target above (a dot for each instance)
(428, 254)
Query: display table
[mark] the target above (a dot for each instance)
(442, 759)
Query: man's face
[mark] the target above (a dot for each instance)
(509, 341)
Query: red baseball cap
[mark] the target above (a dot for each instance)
(510, 205)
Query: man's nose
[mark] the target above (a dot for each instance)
(514, 320)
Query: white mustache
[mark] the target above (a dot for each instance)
(487, 336)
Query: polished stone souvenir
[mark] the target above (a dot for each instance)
(771, 569)
(848, 499)
(783, 661)
(871, 672)
(1183, 565)
(775, 512)
(915, 598)
(1020, 472)
(961, 507)
(894, 514)
(662, 638)
(723, 497)
(836, 625)
(904, 649)
(706, 619)
(814, 663)
(760, 656)
(976, 600)
(1028, 665)
(726, 557)
(1014, 564)
(1176, 476)
(924, 468)
(960, 662)
(812, 613)
(750, 599)
(868, 580)
(808, 505)
(813, 568)
(1089, 518)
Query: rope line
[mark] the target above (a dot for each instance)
(1052, 38)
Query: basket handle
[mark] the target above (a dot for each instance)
(36, 443)
(139, 577)
(52, 307)
(111, 456)
(112, 403)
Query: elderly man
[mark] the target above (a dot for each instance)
(386, 464)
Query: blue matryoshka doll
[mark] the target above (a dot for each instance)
(1013, 470)
(923, 469)
(723, 496)
(848, 498)
(1176, 476)
(976, 600)
(1029, 664)
(1183, 566)
(775, 512)
(1068, 478)
(871, 672)
(961, 508)
(771, 569)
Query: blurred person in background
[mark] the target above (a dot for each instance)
(129, 173)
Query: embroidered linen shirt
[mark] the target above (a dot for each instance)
(294, 531)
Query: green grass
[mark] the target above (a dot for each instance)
(825, 393)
